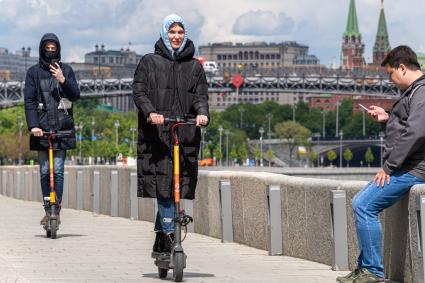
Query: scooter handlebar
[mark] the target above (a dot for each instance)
(190, 121)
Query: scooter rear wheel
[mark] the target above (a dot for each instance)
(48, 233)
(178, 267)
(162, 272)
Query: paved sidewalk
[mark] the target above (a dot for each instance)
(110, 249)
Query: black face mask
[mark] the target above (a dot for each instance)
(51, 55)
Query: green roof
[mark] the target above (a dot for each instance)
(352, 24)
(107, 107)
(382, 42)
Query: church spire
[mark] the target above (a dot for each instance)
(382, 44)
(352, 47)
(352, 24)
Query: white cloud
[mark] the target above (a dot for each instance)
(263, 23)
(81, 24)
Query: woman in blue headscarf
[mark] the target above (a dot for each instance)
(169, 83)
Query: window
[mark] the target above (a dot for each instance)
(224, 57)
(262, 56)
(267, 56)
(278, 56)
(95, 59)
(103, 60)
(218, 57)
(245, 55)
(111, 60)
(257, 55)
(251, 55)
(235, 57)
(240, 55)
(272, 56)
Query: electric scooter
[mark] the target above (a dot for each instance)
(52, 225)
(177, 259)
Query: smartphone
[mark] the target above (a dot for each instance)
(53, 63)
(364, 107)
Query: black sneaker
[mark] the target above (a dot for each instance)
(349, 277)
(168, 243)
(159, 242)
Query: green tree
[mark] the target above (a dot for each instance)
(331, 155)
(243, 153)
(207, 151)
(257, 154)
(312, 157)
(348, 155)
(269, 155)
(368, 157)
(218, 155)
(233, 154)
(294, 134)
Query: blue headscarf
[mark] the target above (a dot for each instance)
(166, 24)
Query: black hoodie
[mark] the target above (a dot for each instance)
(42, 94)
(43, 60)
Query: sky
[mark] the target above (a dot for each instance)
(80, 24)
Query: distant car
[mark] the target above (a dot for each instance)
(206, 162)
(211, 67)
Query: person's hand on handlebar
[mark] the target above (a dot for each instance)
(201, 120)
(37, 132)
(156, 119)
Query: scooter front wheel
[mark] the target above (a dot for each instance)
(179, 265)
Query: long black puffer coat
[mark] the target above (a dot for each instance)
(42, 94)
(171, 87)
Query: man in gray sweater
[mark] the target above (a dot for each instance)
(403, 157)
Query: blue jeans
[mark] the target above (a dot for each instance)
(58, 169)
(367, 204)
(164, 219)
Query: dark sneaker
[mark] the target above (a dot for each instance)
(349, 277)
(45, 220)
(365, 276)
(168, 243)
(159, 242)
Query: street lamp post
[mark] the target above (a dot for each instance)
(241, 110)
(337, 119)
(20, 125)
(133, 130)
(226, 132)
(381, 139)
(294, 107)
(220, 130)
(340, 148)
(364, 123)
(324, 123)
(269, 133)
(92, 137)
(117, 125)
(261, 146)
(79, 128)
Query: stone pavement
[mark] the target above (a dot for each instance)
(98, 248)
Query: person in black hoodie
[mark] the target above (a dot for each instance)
(168, 83)
(50, 88)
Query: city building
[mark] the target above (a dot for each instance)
(220, 101)
(122, 57)
(14, 65)
(257, 55)
(352, 53)
(324, 101)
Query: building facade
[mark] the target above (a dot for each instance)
(352, 53)
(257, 55)
(13, 66)
(101, 56)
